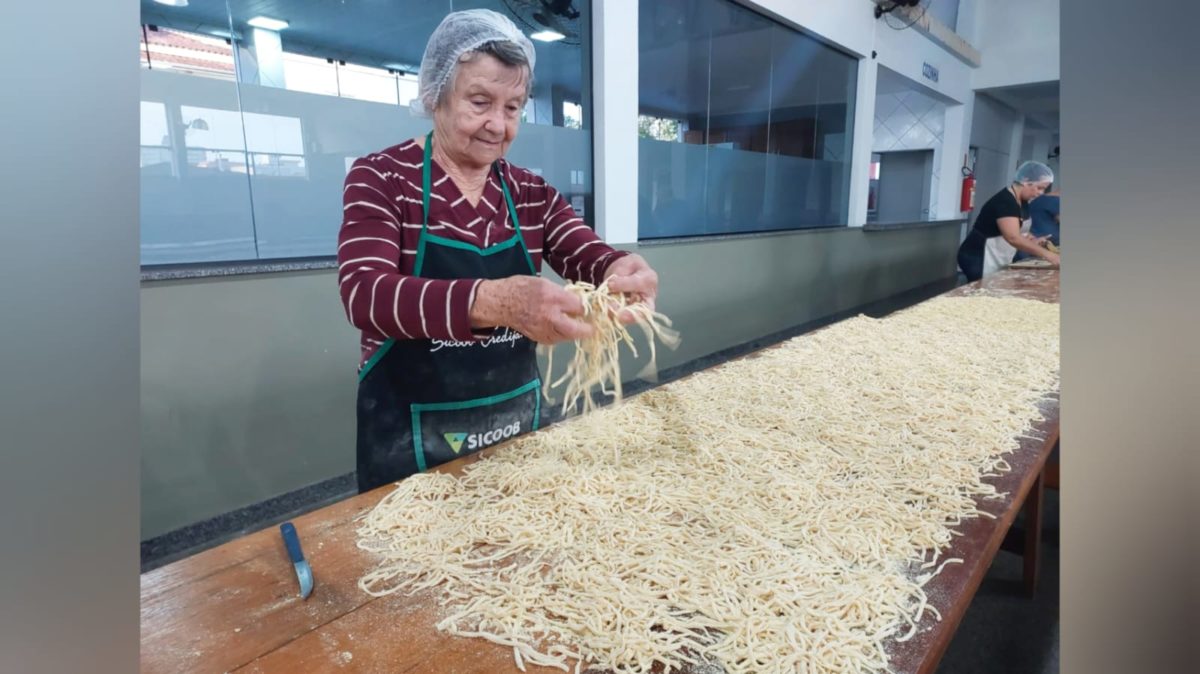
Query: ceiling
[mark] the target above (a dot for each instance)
(1038, 102)
(371, 32)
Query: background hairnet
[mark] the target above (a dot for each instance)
(1033, 172)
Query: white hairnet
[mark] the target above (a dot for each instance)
(457, 34)
(1033, 172)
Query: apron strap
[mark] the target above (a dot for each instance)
(512, 210)
(425, 185)
(512, 213)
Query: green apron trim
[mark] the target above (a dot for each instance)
(512, 210)
(427, 237)
(426, 163)
(451, 243)
(418, 408)
(375, 358)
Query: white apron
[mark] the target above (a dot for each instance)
(998, 253)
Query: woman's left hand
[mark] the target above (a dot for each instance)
(633, 276)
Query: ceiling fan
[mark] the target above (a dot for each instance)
(548, 20)
(884, 8)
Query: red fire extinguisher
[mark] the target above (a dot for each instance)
(967, 200)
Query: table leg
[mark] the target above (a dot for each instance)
(1033, 532)
(1052, 475)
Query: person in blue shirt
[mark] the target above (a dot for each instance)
(1044, 211)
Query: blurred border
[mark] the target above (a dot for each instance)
(68, 337)
(1131, 360)
(68, 398)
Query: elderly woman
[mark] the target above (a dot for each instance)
(440, 254)
(997, 236)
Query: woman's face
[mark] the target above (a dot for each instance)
(1027, 192)
(478, 119)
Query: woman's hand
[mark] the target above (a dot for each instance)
(1044, 250)
(633, 276)
(1010, 229)
(531, 305)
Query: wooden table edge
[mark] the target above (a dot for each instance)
(979, 570)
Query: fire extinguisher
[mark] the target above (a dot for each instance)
(967, 201)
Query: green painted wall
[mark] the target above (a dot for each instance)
(248, 382)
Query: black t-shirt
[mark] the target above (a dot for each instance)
(987, 225)
(1002, 205)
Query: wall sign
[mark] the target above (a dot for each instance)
(929, 72)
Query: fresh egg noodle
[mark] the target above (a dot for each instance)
(595, 362)
(777, 513)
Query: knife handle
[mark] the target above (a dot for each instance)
(292, 541)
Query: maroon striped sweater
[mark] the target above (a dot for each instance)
(381, 223)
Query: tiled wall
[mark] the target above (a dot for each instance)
(911, 121)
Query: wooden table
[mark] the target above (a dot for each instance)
(235, 608)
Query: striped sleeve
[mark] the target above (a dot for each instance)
(377, 297)
(573, 250)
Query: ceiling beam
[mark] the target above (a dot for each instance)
(941, 34)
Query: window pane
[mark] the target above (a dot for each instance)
(212, 128)
(773, 107)
(407, 87)
(166, 49)
(738, 121)
(154, 130)
(367, 84)
(572, 115)
(835, 128)
(194, 190)
(673, 73)
(310, 99)
(313, 75)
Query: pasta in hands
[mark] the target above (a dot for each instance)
(596, 360)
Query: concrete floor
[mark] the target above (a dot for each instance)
(1003, 631)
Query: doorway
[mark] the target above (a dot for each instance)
(901, 185)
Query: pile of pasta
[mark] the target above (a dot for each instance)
(778, 513)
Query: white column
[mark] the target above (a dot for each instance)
(956, 142)
(864, 137)
(615, 83)
(268, 53)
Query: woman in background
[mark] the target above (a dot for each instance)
(996, 236)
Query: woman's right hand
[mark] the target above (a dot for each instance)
(531, 305)
(1052, 258)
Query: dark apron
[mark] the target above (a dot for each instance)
(424, 402)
